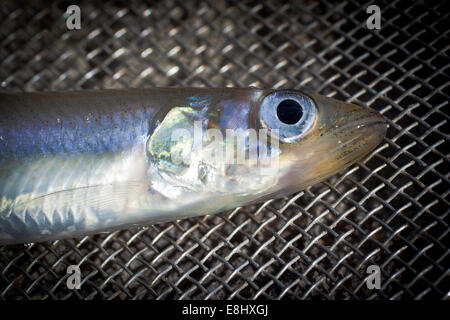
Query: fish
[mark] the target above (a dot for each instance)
(79, 163)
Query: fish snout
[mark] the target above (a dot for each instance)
(343, 134)
(360, 131)
(348, 130)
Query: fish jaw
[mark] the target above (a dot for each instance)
(342, 134)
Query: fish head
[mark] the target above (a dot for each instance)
(254, 144)
(318, 136)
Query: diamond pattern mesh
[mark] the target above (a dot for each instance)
(390, 209)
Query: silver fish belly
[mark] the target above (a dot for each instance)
(78, 163)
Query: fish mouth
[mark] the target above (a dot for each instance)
(343, 134)
(355, 136)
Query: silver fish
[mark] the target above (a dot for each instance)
(78, 163)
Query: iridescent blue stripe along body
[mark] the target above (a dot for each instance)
(77, 163)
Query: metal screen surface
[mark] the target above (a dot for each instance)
(389, 210)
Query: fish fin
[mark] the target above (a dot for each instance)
(98, 198)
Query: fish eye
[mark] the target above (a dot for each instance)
(288, 114)
(289, 111)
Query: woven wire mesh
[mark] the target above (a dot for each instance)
(389, 209)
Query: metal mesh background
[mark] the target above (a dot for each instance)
(390, 209)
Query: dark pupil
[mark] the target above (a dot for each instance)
(289, 111)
